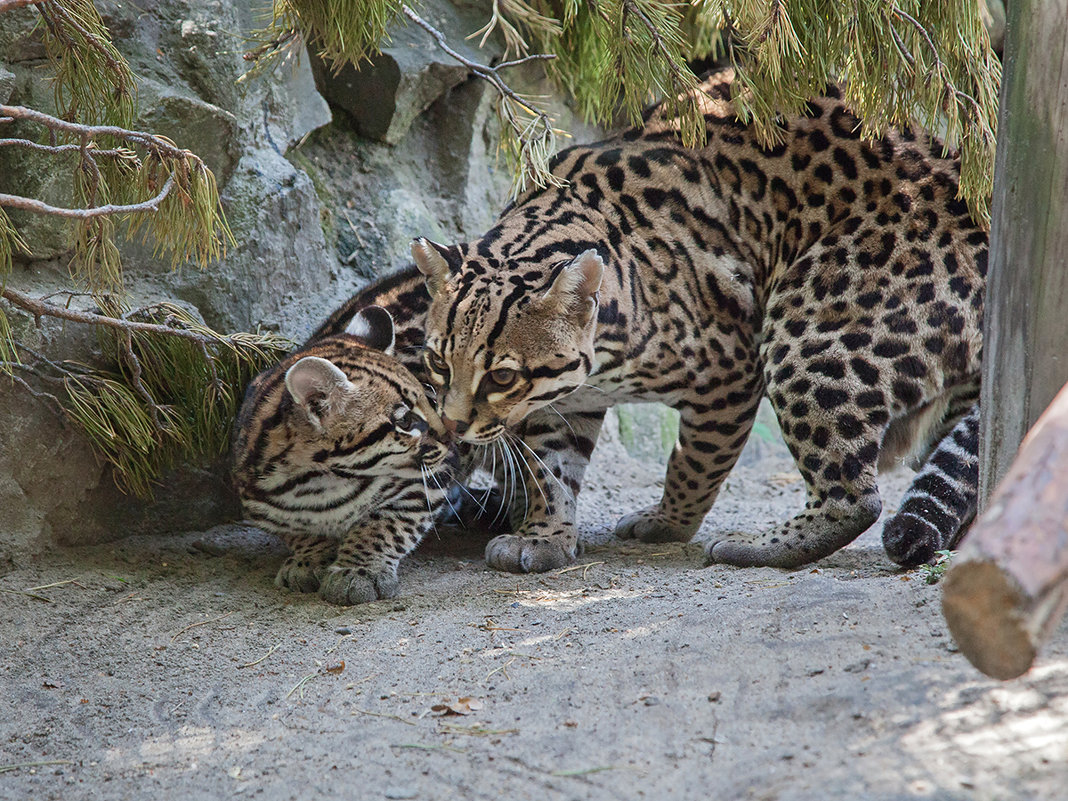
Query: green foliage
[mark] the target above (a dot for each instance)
(171, 400)
(9, 239)
(622, 54)
(93, 82)
(9, 242)
(901, 62)
(932, 573)
(341, 31)
(167, 397)
(189, 224)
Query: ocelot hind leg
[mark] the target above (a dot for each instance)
(836, 449)
(304, 569)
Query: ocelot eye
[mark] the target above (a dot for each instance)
(406, 421)
(436, 363)
(503, 376)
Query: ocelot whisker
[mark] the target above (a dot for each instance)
(567, 422)
(502, 479)
(455, 512)
(533, 475)
(515, 478)
(474, 498)
(429, 506)
(544, 466)
(508, 473)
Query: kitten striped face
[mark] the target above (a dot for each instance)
(338, 429)
(502, 343)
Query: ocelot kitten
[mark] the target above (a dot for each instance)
(338, 451)
(842, 278)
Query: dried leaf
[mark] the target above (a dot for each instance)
(461, 706)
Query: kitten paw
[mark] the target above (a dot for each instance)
(649, 526)
(307, 564)
(516, 554)
(299, 574)
(348, 586)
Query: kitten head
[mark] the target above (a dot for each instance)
(317, 432)
(501, 343)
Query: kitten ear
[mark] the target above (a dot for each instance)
(436, 262)
(576, 285)
(374, 327)
(315, 385)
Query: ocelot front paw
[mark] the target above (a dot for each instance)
(532, 553)
(348, 586)
(649, 525)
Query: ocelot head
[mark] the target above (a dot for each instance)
(317, 433)
(502, 342)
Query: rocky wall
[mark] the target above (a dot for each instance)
(320, 197)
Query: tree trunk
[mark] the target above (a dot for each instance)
(1025, 338)
(1008, 587)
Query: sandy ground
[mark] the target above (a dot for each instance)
(171, 668)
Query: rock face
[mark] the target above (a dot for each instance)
(320, 198)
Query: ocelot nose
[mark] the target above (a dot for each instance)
(456, 428)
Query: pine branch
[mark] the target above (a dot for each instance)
(182, 211)
(939, 67)
(41, 309)
(116, 152)
(92, 80)
(30, 204)
(535, 136)
(154, 143)
(47, 399)
(172, 398)
(118, 66)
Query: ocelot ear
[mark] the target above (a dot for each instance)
(316, 385)
(576, 285)
(373, 326)
(436, 262)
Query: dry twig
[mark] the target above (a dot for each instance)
(178, 633)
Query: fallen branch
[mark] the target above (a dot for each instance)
(1008, 586)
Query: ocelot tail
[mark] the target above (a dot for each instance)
(339, 452)
(841, 277)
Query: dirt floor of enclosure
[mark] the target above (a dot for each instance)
(171, 667)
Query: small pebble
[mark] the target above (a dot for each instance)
(401, 792)
(343, 630)
(714, 696)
